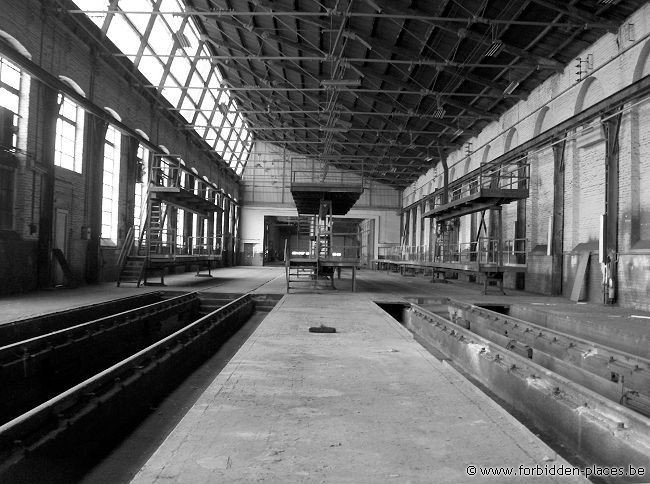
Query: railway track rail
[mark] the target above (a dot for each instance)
(95, 412)
(38, 368)
(23, 329)
(622, 377)
(601, 431)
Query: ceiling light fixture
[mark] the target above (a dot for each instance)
(511, 87)
(340, 82)
(439, 113)
(495, 49)
(182, 39)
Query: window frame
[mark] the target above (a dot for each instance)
(77, 142)
(111, 239)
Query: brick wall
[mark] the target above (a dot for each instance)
(618, 62)
(59, 51)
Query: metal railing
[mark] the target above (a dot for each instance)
(486, 251)
(504, 176)
(413, 253)
(171, 173)
(317, 177)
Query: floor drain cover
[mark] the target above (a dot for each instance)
(322, 329)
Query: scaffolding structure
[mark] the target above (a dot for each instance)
(319, 252)
(156, 243)
(484, 190)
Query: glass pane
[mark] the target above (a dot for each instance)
(180, 67)
(94, 5)
(208, 104)
(203, 66)
(69, 109)
(188, 109)
(220, 146)
(227, 156)
(201, 121)
(173, 95)
(160, 39)
(174, 21)
(123, 36)
(151, 67)
(9, 100)
(10, 74)
(139, 20)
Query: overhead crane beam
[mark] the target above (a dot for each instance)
(389, 11)
(579, 14)
(407, 14)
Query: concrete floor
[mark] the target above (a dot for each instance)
(367, 404)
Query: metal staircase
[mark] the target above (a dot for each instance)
(133, 258)
(313, 244)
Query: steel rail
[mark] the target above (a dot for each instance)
(121, 393)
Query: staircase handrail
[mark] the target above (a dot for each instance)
(126, 248)
(143, 209)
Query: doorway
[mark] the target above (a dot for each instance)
(60, 242)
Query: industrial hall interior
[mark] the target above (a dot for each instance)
(328, 241)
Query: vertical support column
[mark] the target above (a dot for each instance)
(557, 249)
(48, 110)
(612, 127)
(500, 236)
(226, 232)
(95, 135)
(130, 145)
(520, 226)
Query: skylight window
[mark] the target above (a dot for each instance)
(165, 49)
(94, 5)
(140, 21)
(123, 36)
(151, 67)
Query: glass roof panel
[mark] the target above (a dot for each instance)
(139, 20)
(202, 122)
(188, 109)
(220, 146)
(239, 123)
(227, 156)
(204, 66)
(170, 35)
(123, 36)
(208, 103)
(94, 5)
(173, 94)
(211, 136)
(160, 39)
(180, 68)
(151, 67)
(197, 84)
(218, 119)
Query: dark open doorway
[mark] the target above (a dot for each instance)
(277, 230)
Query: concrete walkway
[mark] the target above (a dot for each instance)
(367, 404)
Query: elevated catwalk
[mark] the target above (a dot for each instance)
(367, 404)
